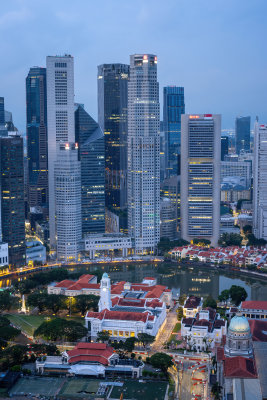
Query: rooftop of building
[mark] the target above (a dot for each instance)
(239, 367)
(121, 315)
(254, 305)
(90, 352)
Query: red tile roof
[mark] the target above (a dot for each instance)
(254, 305)
(192, 302)
(239, 367)
(220, 354)
(65, 284)
(120, 315)
(258, 330)
(80, 286)
(90, 352)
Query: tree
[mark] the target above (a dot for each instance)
(210, 302)
(38, 300)
(145, 338)
(6, 300)
(180, 313)
(230, 239)
(237, 294)
(86, 302)
(224, 296)
(103, 336)
(247, 229)
(7, 332)
(253, 241)
(54, 302)
(161, 360)
(216, 390)
(58, 329)
(129, 344)
(201, 242)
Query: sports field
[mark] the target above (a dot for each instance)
(43, 386)
(64, 388)
(79, 388)
(140, 391)
(28, 323)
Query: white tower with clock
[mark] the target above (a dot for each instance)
(105, 300)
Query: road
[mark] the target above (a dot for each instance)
(165, 331)
(193, 377)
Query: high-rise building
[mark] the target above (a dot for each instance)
(240, 169)
(143, 153)
(60, 120)
(2, 111)
(242, 134)
(12, 197)
(260, 181)
(90, 139)
(200, 177)
(167, 219)
(170, 189)
(112, 82)
(173, 108)
(224, 146)
(37, 139)
(67, 170)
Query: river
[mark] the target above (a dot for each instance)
(199, 281)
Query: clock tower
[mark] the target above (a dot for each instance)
(105, 300)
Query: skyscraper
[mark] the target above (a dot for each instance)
(224, 146)
(112, 85)
(200, 177)
(173, 108)
(67, 171)
(143, 153)
(60, 120)
(37, 138)
(260, 182)
(12, 197)
(242, 134)
(2, 111)
(90, 139)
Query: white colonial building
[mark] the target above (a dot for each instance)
(126, 316)
(204, 330)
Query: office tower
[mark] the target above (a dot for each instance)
(224, 146)
(2, 111)
(237, 169)
(173, 108)
(242, 134)
(37, 139)
(12, 197)
(167, 219)
(67, 171)
(143, 153)
(112, 83)
(170, 189)
(163, 153)
(260, 181)
(91, 153)
(200, 177)
(60, 120)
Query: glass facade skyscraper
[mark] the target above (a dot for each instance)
(112, 85)
(37, 138)
(12, 197)
(242, 134)
(200, 177)
(2, 111)
(224, 146)
(90, 139)
(173, 108)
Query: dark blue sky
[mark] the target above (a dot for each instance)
(216, 49)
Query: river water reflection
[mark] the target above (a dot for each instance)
(186, 279)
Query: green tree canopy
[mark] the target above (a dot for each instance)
(103, 336)
(161, 360)
(224, 296)
(210, 302)
(145, 338)
(237, 294)
(129, 344)
(58, 329)
(230, 239)
(6, 300)
(86, 302)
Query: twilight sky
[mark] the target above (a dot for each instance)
(216, 49)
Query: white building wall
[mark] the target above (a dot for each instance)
(67, 172)
(260, 181)
(143, 153)
(60, 119)
(3, 254)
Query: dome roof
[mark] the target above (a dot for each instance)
(239, 324)
(105, 275)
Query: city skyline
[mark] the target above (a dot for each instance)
(199, 26)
